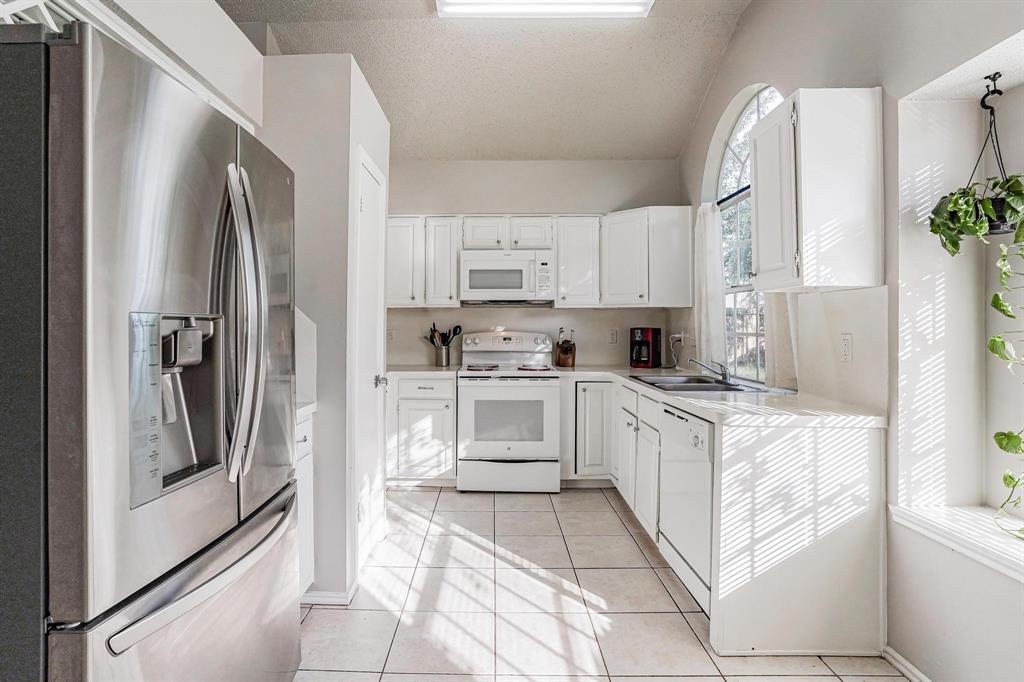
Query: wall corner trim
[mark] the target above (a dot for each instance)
(329, 598)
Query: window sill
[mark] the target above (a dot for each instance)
(969, 531)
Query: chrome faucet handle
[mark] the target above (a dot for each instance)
(722, 370)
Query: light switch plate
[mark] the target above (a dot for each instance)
(613, 336)
(845, 347)
(391, 335)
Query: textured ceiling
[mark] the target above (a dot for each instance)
(518, 89)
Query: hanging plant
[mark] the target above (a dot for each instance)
(995, 206)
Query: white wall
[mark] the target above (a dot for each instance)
(790, 44)
(445, 187)
(1005, 404)
(317, 109)
(531, 186)
(941, 375)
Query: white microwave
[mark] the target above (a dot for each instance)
(506, 276)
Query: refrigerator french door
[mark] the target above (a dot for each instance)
(166, 363)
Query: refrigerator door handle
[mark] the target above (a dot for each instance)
(247, 262)
(129, 636)
(262, 320)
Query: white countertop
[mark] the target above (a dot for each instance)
(761, 408)
(421, 369)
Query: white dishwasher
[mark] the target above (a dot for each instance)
(687, 479)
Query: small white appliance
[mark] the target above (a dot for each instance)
(508, 417)
(490, 276)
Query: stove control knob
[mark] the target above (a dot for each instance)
(476, 340)
(537, 340)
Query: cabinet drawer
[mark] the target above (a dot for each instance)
(650, 411)
(626, 398)
(426, 388)
(303, 439)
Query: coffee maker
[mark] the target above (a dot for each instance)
(645, 347)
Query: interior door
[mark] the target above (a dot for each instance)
(442, 268)
(404, 265)
(366, 364)
(579, 257)
(773, 195)
(270, 461)
(624, 251)
(648, 448)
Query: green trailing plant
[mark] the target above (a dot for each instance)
(995, 206)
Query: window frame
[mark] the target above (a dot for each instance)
(743, 285)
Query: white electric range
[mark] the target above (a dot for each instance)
(508, 418)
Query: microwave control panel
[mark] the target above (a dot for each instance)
(544, 278)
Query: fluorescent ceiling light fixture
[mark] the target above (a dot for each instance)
(545, 9)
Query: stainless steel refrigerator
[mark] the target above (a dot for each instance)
(149, 442)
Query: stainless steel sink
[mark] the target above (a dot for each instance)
(677, 384)
(654, 380)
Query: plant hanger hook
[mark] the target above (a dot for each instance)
(991, 91)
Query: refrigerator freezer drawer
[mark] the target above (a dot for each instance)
(231, 614)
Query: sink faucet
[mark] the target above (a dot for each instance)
(722, 371)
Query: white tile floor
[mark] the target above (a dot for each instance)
(515, 587)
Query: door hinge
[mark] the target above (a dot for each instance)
(793, 115)
(362, 203)
(796, 261)
(379, 381)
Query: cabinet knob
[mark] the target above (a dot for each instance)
(499, 242)
(563, 298)
(751, 275)
(305, 439)
(641, 295)
(450, 297)
(447, 407)
(412, 298)
(516, 242)
(584, 390)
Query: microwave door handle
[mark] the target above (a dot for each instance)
(262, 307)
(533, 276)
(250, 323)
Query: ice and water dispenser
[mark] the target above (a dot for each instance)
(177, 401)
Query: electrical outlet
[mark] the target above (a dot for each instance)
(391, 335)
(613, 336)
(845, 347)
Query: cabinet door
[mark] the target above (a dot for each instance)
(304, 484)
(442, 270)
(485, 232)
(404, 262)
(594, 437)
(579, 261)
(625, 449)
(648, 450)
(624, 251)
(425, 438)
(773, 196)
(532, 232)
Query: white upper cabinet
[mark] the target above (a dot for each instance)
(441, 262)
(579, 261)
(624, 258)
(404, 265)
(486, 232)
(816, 187)
(532, 232)
(647, 257)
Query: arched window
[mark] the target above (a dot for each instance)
(744, 307)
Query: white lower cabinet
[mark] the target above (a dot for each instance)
(426, 440)
(594, 427)
(645, 502)
(305, 485)
(625, 449)
(421, 426)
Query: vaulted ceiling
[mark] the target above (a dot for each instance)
(518, 89)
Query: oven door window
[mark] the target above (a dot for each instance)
(496, 280)
(508, 421)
